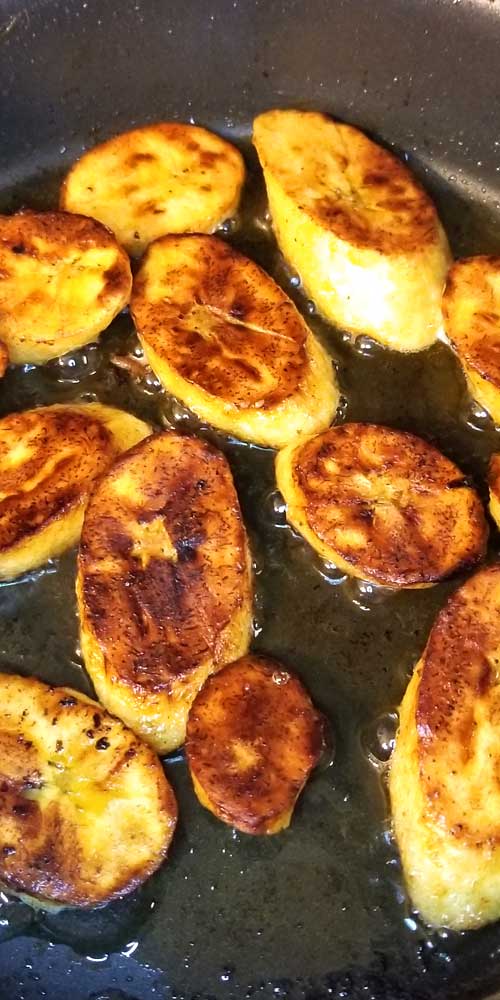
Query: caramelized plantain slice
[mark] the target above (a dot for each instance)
(86, 813)
(444, 773)
(382, 505)
(253, 737)
(225, 339)
(355, 224)
(50, 459)
(163, 178)
(63, 279)
(471, 313)
(164, 583)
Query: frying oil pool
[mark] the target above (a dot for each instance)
(325, 897)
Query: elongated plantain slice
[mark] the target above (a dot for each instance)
(164, 583)
(164, 178)
(444, 774)
(382, 505)
(225, 339)
(63, 278)
(253, 737)
(86, 813)
(471, 313)
(50, 459)
(357, 227)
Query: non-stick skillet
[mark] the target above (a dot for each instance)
(319, 911)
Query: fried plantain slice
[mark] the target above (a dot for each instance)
(86, 813)
(471, 313)
(356, 225)
(253, 737)
(444, 773)
(164, 583)
(224, 338)
(163, 178)
(382, 505)
(63, 279)
(50, 459)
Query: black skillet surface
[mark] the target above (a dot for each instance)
(319, 911)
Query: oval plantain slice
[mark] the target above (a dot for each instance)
(471, 313)
(163, 178)
(444, 774)
(382, 505)
(50, 459)
(164, 583)
(63, 279)
(226, 340)
(86, 812)
(357, 227)
(253, 737)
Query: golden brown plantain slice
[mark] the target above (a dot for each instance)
(471, 313)
(164, 583)
(63, 279)
(253, 737)
(357, 227)
(382, 505)
(224, 338)
(444, 774)
(86, 813)
(50, 459)
(163, 178)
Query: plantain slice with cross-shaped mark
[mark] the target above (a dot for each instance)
(86, 812)
(164, 583)
(63, 279)
(383, 505)
(228, 342)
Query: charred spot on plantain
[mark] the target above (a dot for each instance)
(67, 701)
(136, 158)
(102, 744)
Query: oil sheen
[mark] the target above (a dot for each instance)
(322, 903)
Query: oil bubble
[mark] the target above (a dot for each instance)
(366, 346)
(378, 738)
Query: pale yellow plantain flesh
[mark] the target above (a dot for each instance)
(163, 178)
(164, 583)
(225, 339)
(471, 313)
(50, 459)
(86, 813)
(356, 226)
(63, 279)
(444, 773)
(253, 737)
(494, 488)
(383, 505)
